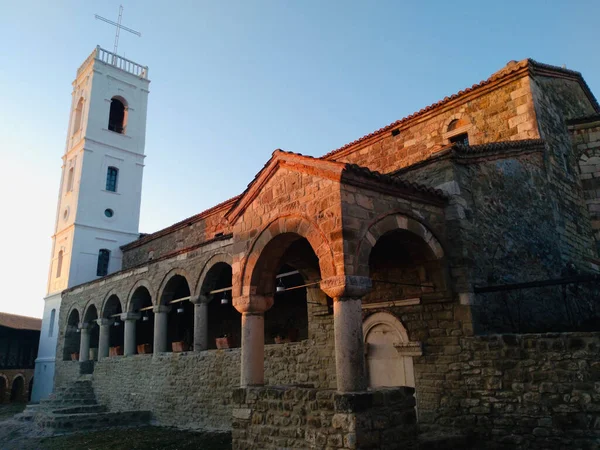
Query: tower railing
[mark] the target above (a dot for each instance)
(117, 61)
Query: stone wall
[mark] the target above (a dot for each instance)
(193, 390)
(500, 217)
(531, 391)
(505, 113)
(187, 234)
(586, 146)
(556, 101)
(295, 417)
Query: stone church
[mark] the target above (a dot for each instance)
(440, 272)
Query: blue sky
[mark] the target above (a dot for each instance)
(232, 81)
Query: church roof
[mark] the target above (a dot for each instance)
(20, 322)
(512, 69)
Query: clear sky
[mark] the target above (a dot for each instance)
(234, 80)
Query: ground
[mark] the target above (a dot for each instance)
(18, 435)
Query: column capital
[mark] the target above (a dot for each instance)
(104, 322)
(84, 326)
(346, 286)
(252, 303)
(161, 309)
(130, 316)
(198, 299)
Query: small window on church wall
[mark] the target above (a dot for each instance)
(462, 139)
(51, 327)
(70, 180)
(103, 258)
(59, 262)
(117, 116)
(112, 174)
(78, 115)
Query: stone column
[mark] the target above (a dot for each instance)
(253, 309)
(346, 292)
(160, 328)
(130, 319)
(200, 322)
(84, 342)
(104, 339)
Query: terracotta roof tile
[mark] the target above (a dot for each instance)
(20, 322)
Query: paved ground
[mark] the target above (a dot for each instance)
(15, 435)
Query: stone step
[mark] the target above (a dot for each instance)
(62, 423)
(83, 409)
(444, 440)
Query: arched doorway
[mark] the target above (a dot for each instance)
(90, 318)
(112, 312)
(224, 321)
(141, 302)
(72, 337)
(17, 391)
(388, 352)
(3, 389)
(180, 321)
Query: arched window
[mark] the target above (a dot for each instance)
(59, 263)
(117, 118)
(103, 258)
(78, 115)
(70, 180)
(456, 133)
(51, 327)
(112, 174)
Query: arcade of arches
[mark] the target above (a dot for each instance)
(280, 279)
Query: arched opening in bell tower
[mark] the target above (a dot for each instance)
(117, 118)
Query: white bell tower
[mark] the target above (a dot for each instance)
(101, 187)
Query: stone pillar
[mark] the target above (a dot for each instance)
(104, 339)
(253, 308)
(160, 328)
(84, 342)
(200, 322)
(346, 292)
(130, 319)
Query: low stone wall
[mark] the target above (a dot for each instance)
(193, 390)
(300, 418)
(530, 391)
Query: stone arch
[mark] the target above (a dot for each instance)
(112, 293)
(72, 336)
(17, 389)
(3, 388)
(88, 313)
(388, 319)
(388, 351)
(225, 258)
(284, 225)
(163, 284)
(139, 283)
(457, 124)
(392, 222)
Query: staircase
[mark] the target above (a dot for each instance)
(74, 408)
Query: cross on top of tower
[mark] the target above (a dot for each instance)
(118, 26)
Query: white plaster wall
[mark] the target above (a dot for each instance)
(45, 362)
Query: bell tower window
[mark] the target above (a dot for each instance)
(103, 258)
(70, 180)
(78, 115)
(112, 174)
(117, 118)
(59, 263)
